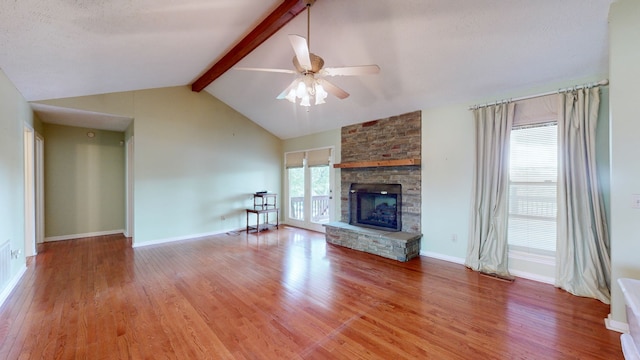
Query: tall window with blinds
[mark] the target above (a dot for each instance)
(533, 176)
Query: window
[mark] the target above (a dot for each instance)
(533, 173)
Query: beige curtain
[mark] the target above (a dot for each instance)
(583, 264)
(487, 249)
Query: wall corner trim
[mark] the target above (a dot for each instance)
(615, 325)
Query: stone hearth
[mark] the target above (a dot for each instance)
(401, 246)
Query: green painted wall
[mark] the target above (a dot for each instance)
(447, 169)
(624, 26)
(314, 141)
(84, 181)
(196, 161)
(14, 114)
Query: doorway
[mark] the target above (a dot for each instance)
(309, 184)
(29, 193)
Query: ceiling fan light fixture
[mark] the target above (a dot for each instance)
(321, 94)
(301, 91)
(305, 101)
(306, 88)
(310, 82)
(291, 96)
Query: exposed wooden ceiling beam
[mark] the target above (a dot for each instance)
(284, 13)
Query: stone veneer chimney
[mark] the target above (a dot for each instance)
(393, 138)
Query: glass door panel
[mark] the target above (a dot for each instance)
(320, 194)
(296, 193)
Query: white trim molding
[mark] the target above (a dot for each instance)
(448, 258)
(78, 236)
(615, 325)
(520, 274)
(184, 238)
(11, 285)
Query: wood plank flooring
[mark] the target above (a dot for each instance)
(283, 294)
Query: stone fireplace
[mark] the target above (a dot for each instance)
(379, 153)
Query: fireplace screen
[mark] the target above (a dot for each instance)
(376, 206)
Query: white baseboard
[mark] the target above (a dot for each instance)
(11, 285)
(78, 236)
(183, 238)
(520, 274)
(615, 325)
(448, 258)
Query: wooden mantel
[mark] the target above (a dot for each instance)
(378, 163)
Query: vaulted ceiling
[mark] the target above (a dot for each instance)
(431, 52)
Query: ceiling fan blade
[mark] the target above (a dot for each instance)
(284, 93)
(333, 90)
(351, 70)
(301, 49)
(266, 70)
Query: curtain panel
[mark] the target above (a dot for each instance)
(583, 263)
(487, 250)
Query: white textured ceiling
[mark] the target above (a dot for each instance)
(431, 52)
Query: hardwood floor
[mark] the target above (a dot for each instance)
(284, 294)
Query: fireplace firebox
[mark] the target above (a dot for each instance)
(376, 206)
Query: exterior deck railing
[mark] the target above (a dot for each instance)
(319, 208)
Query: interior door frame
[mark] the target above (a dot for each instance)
(39, 187)
(29, 192)
(129, 166)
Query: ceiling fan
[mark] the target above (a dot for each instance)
(311, 82)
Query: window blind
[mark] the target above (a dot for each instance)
(294, 160)
(533, 177)
(536, 111)
(318, 157)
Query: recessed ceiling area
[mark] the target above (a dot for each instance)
(431, 52)
(80, 118)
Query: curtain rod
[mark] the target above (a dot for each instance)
(577, 87)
